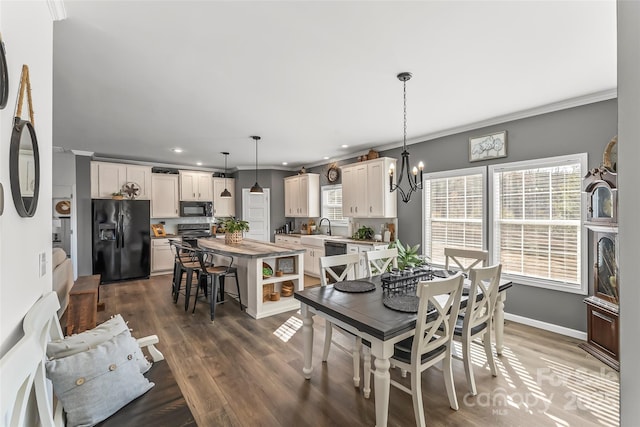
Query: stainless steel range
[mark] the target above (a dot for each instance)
(190, 233)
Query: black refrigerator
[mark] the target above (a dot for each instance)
(121, 239)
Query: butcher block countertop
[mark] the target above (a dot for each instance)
(250, 248)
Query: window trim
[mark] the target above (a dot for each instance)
(338, 223)
(477, 170)
(583, 287)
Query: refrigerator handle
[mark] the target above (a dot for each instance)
(121, 231)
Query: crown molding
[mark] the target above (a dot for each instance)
(82, 153)
(57, 10)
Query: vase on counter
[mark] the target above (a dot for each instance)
(233, 238)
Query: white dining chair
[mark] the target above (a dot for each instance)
(341, 267)
(432, 342)
(465, 259)
(379, 261)
(477, 319)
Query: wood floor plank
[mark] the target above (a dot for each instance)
(238, 371)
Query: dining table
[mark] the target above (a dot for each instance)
(365, 315)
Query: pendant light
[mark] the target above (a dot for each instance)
(225, 194)
(256, 189)
(414, 184)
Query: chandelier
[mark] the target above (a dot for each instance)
(412, 174)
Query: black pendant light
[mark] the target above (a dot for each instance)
(225, 194)
(256, 189)
(414, 183)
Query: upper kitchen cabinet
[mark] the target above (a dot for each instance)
(108, 178)
(365, 190)
(195, 186)
(222, 206)
(164, 196)
(302, 195)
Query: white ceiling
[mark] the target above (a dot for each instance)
(135, 79)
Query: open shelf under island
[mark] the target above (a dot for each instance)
(249, 256)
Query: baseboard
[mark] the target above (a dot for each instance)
(546, 326)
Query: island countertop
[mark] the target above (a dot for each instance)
(250, 248)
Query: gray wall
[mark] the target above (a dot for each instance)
(629, 205)
(582, 129)
(83, 194)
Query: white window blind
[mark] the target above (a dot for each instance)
(537, 210)
(454, 211)
(332, 203)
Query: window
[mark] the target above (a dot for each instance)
(332, 204)
(536, 210)
(454, 211)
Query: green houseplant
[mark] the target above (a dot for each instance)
(407, 255)
(233, 229)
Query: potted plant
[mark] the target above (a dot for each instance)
(233, 229)
(117, 195)
(407, 255)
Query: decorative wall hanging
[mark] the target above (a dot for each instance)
(333, 173)
(485, 147)
(4, 76)
(24, 158)
(63, 207)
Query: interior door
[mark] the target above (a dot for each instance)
(255, 209)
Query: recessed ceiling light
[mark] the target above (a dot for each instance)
(326, 157)
(344, 146)
(199, 163)
(285, 163)
(177, 150)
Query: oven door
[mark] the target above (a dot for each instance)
(196, 209)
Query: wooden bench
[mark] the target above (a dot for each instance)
(82, 312)
(23, 373)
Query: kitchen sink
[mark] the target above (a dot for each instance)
(313, 240)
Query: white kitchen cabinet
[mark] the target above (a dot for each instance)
(365, 190)
(195, 186)
(108, 178)
(223, 207)
(285, 238)
(164, 196)
(27, 171)
(312, 260)
(162, 258)
(302, 195)
(361, 269)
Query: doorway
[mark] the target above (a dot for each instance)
(255, 210)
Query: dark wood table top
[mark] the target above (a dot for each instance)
(365, 311)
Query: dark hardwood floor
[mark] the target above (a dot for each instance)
(238, 371)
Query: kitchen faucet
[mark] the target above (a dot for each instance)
(320, 225)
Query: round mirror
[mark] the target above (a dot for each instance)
(24, 167)
(4, 77)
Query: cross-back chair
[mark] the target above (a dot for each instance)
(379, 261)
(465, 259)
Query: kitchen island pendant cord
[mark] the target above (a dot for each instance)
(225, 194)
(256, 189)
(414, 184)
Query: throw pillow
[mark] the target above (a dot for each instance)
(94, 384)
(89, 339)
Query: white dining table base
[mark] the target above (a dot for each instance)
(382, 351)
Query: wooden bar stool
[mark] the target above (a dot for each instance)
(212, 280)
(186, 263)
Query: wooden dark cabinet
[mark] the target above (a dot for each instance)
(603, 338)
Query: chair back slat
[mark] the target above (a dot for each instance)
(436, 329)
(379, 261)
(328, 264)
(483, 295)
(465, 259)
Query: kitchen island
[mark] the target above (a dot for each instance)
(251, 257)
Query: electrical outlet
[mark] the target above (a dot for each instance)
(43, 263)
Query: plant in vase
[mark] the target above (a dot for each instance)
(233, 229)
(408, 256)
(117, 195)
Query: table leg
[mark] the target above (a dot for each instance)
(382, 381)
(307, 337)
(498, 318)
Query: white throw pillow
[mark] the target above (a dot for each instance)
(90, 339)
(94, 384)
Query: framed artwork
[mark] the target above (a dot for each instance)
(485, 147)
(286, 264)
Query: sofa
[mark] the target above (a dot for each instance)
(62, 277)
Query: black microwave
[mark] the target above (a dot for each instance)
(196, 208)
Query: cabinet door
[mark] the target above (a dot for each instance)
(303, 196)
(317, 254)
(375, 189)
(360, 196)
(141, 175)
(188, 186)
(204, 187)
(348, 192)
(111, 178)
(308, 260)
(162, 258)
(164, 196)
(291, 197)
(223, 207)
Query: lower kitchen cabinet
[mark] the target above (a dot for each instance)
(162, 259)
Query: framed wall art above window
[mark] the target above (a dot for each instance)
(485, 147)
